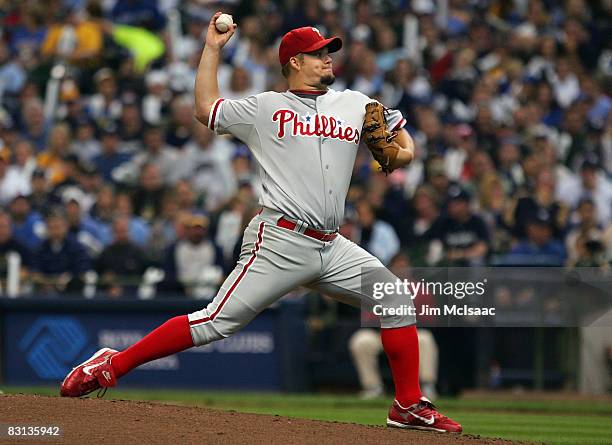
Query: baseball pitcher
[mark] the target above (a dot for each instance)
(305, 141)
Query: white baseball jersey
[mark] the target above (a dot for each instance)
(305, 144)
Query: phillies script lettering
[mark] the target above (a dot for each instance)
(289, 122)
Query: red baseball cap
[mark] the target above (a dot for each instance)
(305, 40)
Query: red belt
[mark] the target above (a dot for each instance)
(316, 234)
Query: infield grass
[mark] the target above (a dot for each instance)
(544, 421)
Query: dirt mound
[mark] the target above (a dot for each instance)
(89, 421)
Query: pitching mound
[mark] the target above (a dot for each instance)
(90, 421)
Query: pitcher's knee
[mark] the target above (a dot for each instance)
(205, 333)
(203, 329)
(207, 327)
(397, 321)
(395, 311)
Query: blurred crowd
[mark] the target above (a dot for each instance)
(104, 169)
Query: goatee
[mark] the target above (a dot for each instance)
(328, 79)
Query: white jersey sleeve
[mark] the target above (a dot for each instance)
(395, 120)
(235, 117)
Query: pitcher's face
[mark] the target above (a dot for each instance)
(316, 68)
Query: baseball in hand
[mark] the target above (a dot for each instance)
(224, 22)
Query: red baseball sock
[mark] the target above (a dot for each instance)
(171, 337)
(402, 348)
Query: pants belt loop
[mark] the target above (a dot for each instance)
(300, 226)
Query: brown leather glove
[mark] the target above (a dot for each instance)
(378, 138)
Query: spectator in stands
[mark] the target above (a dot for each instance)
(156, 153)
(12, 74)
(480, 166)
(24, 162)
(239, 85)
(121, 264)
(182, 122)
(186, 198)
(430, 130)
(539, 247)
(30, 32)
(40, 198)
(390, 203)
(89, 181)
(485, 127)
(105, 106)
(461, 78)
(70, 179)
(131, 127)
(28, 225)
(109, 158)
(595, 186)
(369, 79)
(426, 214)
(242, 166)
(542, 198)
(72, 109)
(147, 198)
(9, 134)
(77, 36)
(566, 84)
(129, 79)
(496, 210)
(189, 43)
(584, 240)
(599, 103)
(61, 261)
(457, 157)
(166, 227)
(532, 165)
(139, 13)
(405, 86)
(103, 210)
(53, 158)
(139, 227)
(543, 145)
(389, 52)
(11, 183)
(8, 243)
(194, 265)
(551, 112)
(460, 234)
(83, 227)
(206, 162)
(376, 236)
(85, 144)
(573, 134)
(35, 128)
(230, 227)
(156, 102)
(438, 179)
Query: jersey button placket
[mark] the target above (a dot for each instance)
(322, 153)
